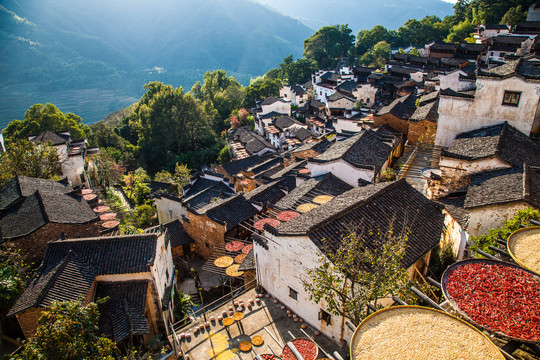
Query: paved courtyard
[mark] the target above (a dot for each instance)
(266, 319)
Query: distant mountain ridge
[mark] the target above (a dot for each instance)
(359, 14)
(93, 57)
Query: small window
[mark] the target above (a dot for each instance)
(284, 95)
(326, 317)
(170, 213)
(83, 178)
(367, 100)
(293, 293)
(492, 53)
(511, 98)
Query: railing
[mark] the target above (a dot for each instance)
(214, 304)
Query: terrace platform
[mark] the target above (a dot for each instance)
(218, 342)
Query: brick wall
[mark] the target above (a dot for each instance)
(206, 233)
(399, 124)
(33, 246)
(28, 321)
(422, 132)
(302, 155)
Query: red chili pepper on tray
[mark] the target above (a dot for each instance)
(499, 297)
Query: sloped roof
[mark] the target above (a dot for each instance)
(69, 279)
(364, 150)
(298, 90)
(175, 233)
(432, 96)
(501, 140)
(22, 186)
(332, 76)
(123, 314)
(370, 209)
(252, 142)
(55, 138)
(234, 167)
(272, 99)
(217, 191)
(41, 208)
(528, 68)
(347, 86)
(248, 263)
(267, 194)
(230, 212)
(430, 112)
(401, 107)
(503, 187)
(338, 96)
(285, 121)
(307, 190)
(302, 133)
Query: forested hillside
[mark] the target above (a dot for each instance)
(93, 57)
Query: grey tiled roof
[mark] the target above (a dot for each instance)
(307, 190)
(433, 96)
(347, 86)
(302, 133)
(373, 207)
(364, 150)
(230, 212)
(285, 121)
(267, 194)
(430, 112)
(175, 233)
(55, 138)
(288, 169)
(400, 108)
(69, 279)
(22, 186)
(504, 186)
(252, 142)
(248, 263)
(41, 208)
(528, 68)
(234, 167)
(123, 314)
(501, 140)
(318, 146)
(454, 205)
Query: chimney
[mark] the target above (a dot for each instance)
(62, 236)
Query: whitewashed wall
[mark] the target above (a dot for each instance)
(485, 218)
(342, 170)
(455, 168)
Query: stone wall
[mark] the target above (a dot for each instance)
(33, 246)
(399, 124)
(206, 233)
(422, 132)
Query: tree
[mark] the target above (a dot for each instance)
(40, 118)
(514, 16)
(163, 176)
(25, 158)
(104, 169)
(460, 32)
(366, 39)
(329, 44)
(13, 273)
(297, 72)
(378, 55)
(224, 155)
(357, 274)
(414, 52)
(68, 331)
(260, 89)
(182, 306)
(182, 175)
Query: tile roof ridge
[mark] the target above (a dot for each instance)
(106, 238)
(39, 198)
(501, 138)
(350, 208)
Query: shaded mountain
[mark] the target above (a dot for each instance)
(359, 14)
(93, 57)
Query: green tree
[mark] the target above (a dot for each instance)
(25, 158)
(68, 331)
(460, 32)
(183, 305)
(329, 44)
(260, 89)
(414, 52)
(182, 174)
(514, 16)
(163, 176)
(357, 274)
(104, 170)
(13, 273)
(366, 39)
(143, 216)
(224, 155)
(378, 55)
(40, 118)
(297, 72)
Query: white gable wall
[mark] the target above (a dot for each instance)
(457, 115)
(342, 170)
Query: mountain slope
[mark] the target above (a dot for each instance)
(93, 57)
(359, 14)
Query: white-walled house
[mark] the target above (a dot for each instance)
(510, 92)
(489, 148)
(296, 94)
(135, 271)
(361, 157)
(274, 105)
(456, 80)
(366, 94)
(284, 255)
(72, 154)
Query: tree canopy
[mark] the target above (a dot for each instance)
(24, 158)
(356, 275)
(40, 118)
(68, 331)
(329, 44)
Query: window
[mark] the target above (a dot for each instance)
(170, 213)
(511, 98)
(326, 317)
(368, 100)
(492, 53)
(293, 293)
